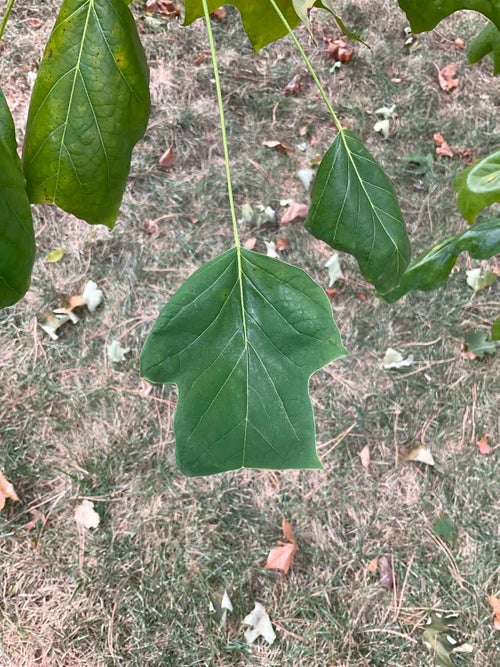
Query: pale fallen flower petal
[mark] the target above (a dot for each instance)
(51, 323)
(394, 359)
(91, 295)
(334, 270)
(305, 177)
(271, 249)
(116, 352)
(260, 625)
(422, 454)
(86, 516)
(382, 127)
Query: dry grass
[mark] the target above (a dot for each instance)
(73, 425)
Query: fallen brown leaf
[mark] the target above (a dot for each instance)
(445, 76)
(250, 243)
(219, 14)
(459, 43)
(373, 565)
(281, 243)
(294, 210)
(331, 292)
(6, 491)
(339, 50)
(36, 517)
(152, 228)
(200, 58)
(364, 456)
(292, 86)
(495, 605)
(442, 146)
(277, 146)
(280, 558)
(167, 158)
(482, 444)
(386, 573)
(166, 8)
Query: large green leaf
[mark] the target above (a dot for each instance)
(426, 14)
(354, 208)
(89, 107)
(433, 267)
(488, 41)
(17, 241)
(241, 338)
(478, 186)
(261, 22)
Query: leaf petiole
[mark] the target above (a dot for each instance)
(10, 4)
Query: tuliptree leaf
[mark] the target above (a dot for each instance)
(89, 107)
(260, 21)
(17, 240)
(426, 14)
(488, 41)
(433, 267)
(478, 186)
(354, 208)
(240, 338)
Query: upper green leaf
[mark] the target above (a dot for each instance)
(433, 267)
(261, 22)
(426, 14)
(17, 241)
(89, 107)
(478, 186)
(241, 338)
(488, 41)
(354, 208)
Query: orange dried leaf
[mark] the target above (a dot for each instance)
(36, 517)
(482, 444)
(459, 43)
(495, 605)
(446, 77)
(373, 565)
(294, 210)
(281, 243)
(203, 56)
(339, 50)
(277, 146)
(281, 557)
(292, 86)
(167, 158)
(166, 8)
(250, 243)
(442, 146)
(6, 490)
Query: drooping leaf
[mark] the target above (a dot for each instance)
(354, 208)
(488, 41)
(89, 107)
(240, 338)
(329, 5)
(426, 14)
(478, 186)
(260, 21)
(433, 267)
(478, 343)
(17, 240)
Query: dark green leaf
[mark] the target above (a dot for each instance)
(89, 107)
(495, 329)
(261, 22)
(241, 341)
(488, 41)
(478, 342)
(426, 14)
(17, 241)
(433, 267)
(478, 186)
(354, 208)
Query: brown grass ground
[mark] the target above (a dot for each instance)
(74, 425)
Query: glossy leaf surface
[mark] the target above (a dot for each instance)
(487, 42)
(260, 21)
(241, 344)
(354, 208)
(426, 14)
(17, 241)
(478, 186)
(89, 107)
(433, 267)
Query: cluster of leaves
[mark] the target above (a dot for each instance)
(242, 335)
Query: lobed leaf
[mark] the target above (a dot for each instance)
(89, 107)
(478, 186)
(17, 240)
(426, 14)
(488, 41)
(241, 338)
(433, 267)
(354, 208)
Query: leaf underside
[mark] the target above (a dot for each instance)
(260, 21)
(433, 267)
(241, 345)
(89, 107)
(426, 14)
(17, 240)
(354, 208)
(478, 186)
